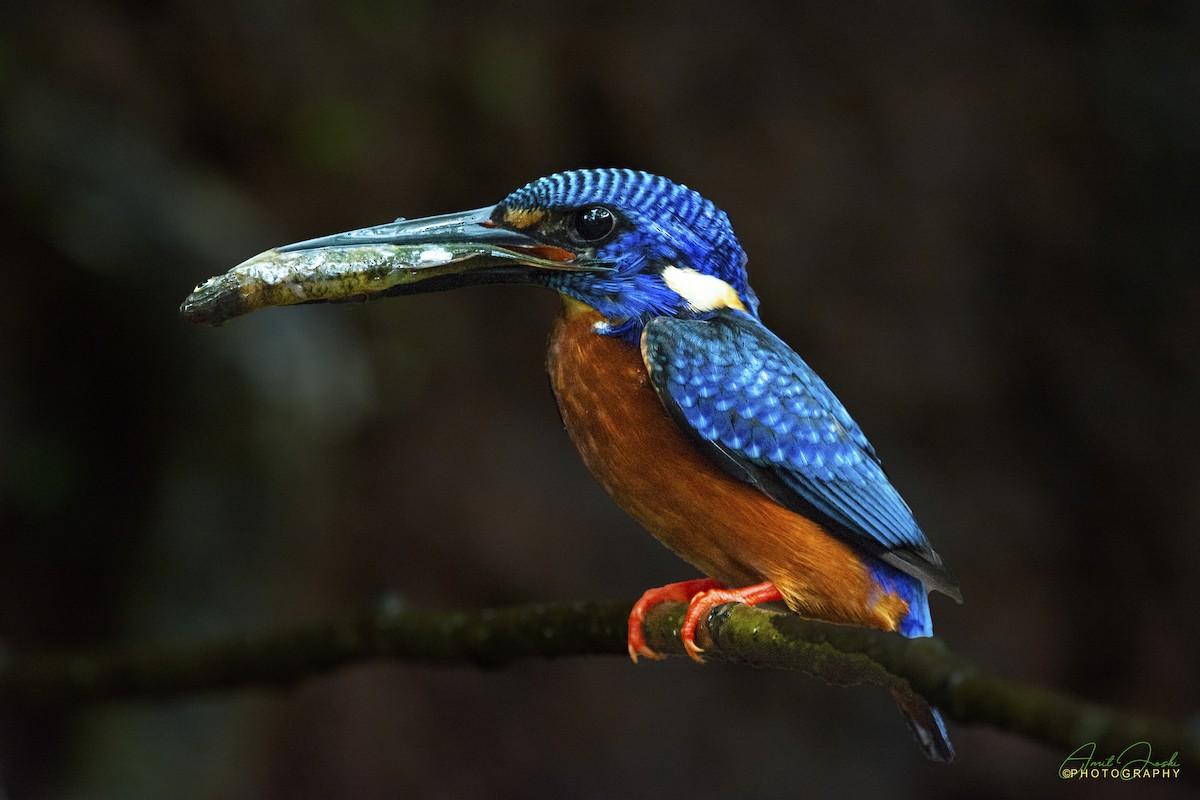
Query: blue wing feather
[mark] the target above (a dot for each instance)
(769, 419)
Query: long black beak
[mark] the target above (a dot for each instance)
(401, 257)
(463, 226)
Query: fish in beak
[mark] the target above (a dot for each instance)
(401, 257)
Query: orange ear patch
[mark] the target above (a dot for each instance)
(522, 218)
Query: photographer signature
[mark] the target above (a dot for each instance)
(1132, 763)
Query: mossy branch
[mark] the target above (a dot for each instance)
(837, 654)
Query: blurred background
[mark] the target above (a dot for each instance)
(978, 222)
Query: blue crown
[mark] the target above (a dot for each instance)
(696, 229)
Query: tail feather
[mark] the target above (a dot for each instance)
(926, 723)
(924, 720)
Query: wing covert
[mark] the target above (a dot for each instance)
(767, 418)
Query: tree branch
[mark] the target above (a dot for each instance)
(837, 654)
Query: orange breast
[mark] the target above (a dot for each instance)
(723, 526)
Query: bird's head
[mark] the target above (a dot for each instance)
(657, 248)
(629, 244)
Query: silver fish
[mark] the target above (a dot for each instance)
(331, 275)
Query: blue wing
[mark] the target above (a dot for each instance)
(767, 418)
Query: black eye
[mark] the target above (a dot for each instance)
(594, 223)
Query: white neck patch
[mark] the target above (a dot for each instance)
(701, 292)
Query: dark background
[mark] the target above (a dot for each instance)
(976, 221)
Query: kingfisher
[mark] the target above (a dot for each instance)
(699, 421)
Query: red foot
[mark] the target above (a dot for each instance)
(681, 592)
(702, 596)
(704, 602)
